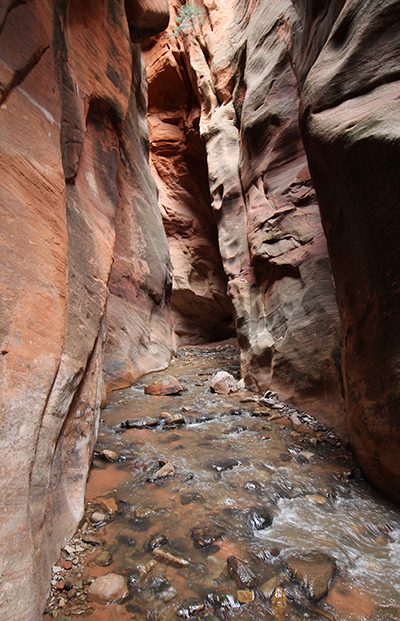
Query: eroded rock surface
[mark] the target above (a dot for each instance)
(238, 71)
(71, 96)
(350, 120)
(200, 305)
(253, 66)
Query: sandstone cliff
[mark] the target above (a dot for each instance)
(83, 253)
(234, 64)
(253, 66)
(74, 183)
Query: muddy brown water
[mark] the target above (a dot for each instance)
(237, 466)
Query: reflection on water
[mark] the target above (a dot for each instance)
(245, 484)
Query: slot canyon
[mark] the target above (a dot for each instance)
(189, 188)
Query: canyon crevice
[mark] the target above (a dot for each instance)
(275, 137)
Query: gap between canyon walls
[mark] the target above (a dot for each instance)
(275, 80)
(231, 81)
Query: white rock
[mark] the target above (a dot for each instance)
(223, 383)
(107, 589)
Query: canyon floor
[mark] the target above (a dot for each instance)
(225, 507)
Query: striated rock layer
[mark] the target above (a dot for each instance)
(73, 166)
(252, 66)
(350, 111)
(237, 69)
(200, 305)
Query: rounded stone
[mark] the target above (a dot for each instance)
(107, 589)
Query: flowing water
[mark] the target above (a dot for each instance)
(237, 465)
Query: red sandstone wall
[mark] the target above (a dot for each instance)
(70, 91)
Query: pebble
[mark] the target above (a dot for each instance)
(103, 558)
(240, 572)
(279, 603)
(109, 455)
(169, 558)
(93, 540)
(168, 470)
(109, 504)
(259, 518)
(97, 517)
(313, 571)
(245, 597)
(204, 536)
(268, 588)
(305, 456)
(316, 499)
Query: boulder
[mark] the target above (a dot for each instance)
(107, 589)
(313, 571)
(166, 385)
(223, 383)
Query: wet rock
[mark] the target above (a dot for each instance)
(220, 465)
(245, 596)
(316, 499)
(304, 457)
(155, 541)
(240, 572)
(223, 383)
(167, 385)
(103, 558)
(204, 536)
(190, 609)
(266, 401)
(313, 571)
(109, 455)
(98, 518)
(253, 486)
(146, 569)
(170, 558)
(107, 589)
(279, 603)
(140, 423)
(268, 588)
(93, 540)
(126, 538)
(188, 498)
(109, 505)
(144, 512)
(259, 518)
(167, 470)
(158, 584)
(174, 420)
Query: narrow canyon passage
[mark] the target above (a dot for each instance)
(225, 507)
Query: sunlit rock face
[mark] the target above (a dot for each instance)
(236, 68)
(73, 140)
(200, 305)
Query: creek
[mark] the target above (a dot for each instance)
(262, 506)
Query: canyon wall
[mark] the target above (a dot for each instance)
(299, 107)
(200, 305)
(74, 184)
(235, 63)
(350, 112)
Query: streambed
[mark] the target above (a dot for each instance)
(249, 480)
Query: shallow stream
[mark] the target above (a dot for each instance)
(247, 481)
